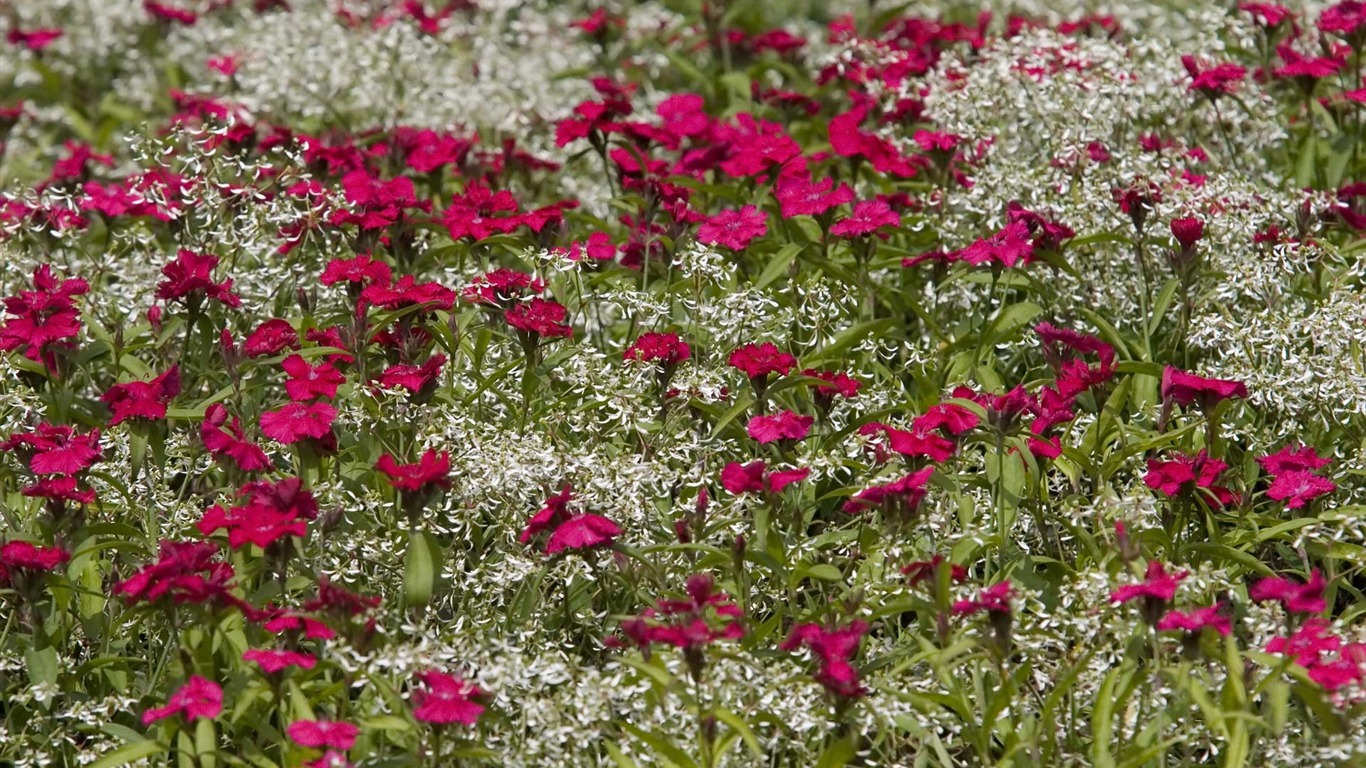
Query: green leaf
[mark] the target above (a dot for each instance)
(822, 571)
(741, 727)
(42, 665)
(130, 753)
(419, 568)
(1308, 161)
(837, 755)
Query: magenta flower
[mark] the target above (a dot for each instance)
(733, 229)
(197, 698)
(834, 649)
(540, 317)
(1192, 622)
(273, 661)
(23, 557)
(868, 217)
(1157, 585)
(784, 425)
(430, 472)
(801, 196)
(144, 400)
(293, 422)
(663, 348)
(758, 361)
(899, 498)
(189, 279)
(271, 338)
(1298, 487)
(230, 442)
(1288, 459)
(332, 734)
(753, 477)
(1186, 389)
(1297, 598)
(568, 531)
(995, 599)
(309, 382)
(446, 699)
(45, 319)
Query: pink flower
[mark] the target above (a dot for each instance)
(899, 498)
(1298, 487)
(45, 319)
(428, 473)
(230, 443)
(323, 733)
(272, 661)
(834, 649)
(802, 196)
(540, 317)
(868, 217)
(446, 699)
(995, 599)
(189, 279)
(1192, 622)
(309, 382)
(145, 400)
(1156, 590)
(757, 361)
(568, 530)
(1297, 598)
(27, 557)
(198, 698)
(293, 422)
(1213, 81)
(733, 229)
(663, 348)
(1009, 247)
(785, 425)
(271, 338)
(1186, 388)
(753, 478)
(1289, 460)
(56, 449)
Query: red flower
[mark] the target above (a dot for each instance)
(273, 661)
(428, 473)
(753, 146)
(307, 382)
(949, 417)
(1288, 460)
(540, 317)
(868, 217)
(1347, 19)
(733, 229)
(271, 511)
(34, 39)
(293, 422)
(407, 292)
(472, 214)
(271, 338)
(362, 270)
(56, 449)
(184, 571)
(323, 733)
(1192, 622)
(1297, 598)
(44, 319)
(197, 698)
(1186, 388)
(928, 445)
(1157, 585)
(834, 649)
(414, 378)
(758, 361)
(502, 287)
(703, 618)
(802, 196)
(145, 400)
(189, 279)
(230, 443)
(446, 699)
(923, 570)
(1298, 487)
(567, 530)
(785, 425)
(663, 348)
(27, 557)
(1009, 247)
(1214, 81)
(994, 600)
(899, 498)
(1184, 474)
(752, 478)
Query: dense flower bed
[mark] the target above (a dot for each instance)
(675, 383)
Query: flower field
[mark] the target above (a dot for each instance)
(678, 383)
